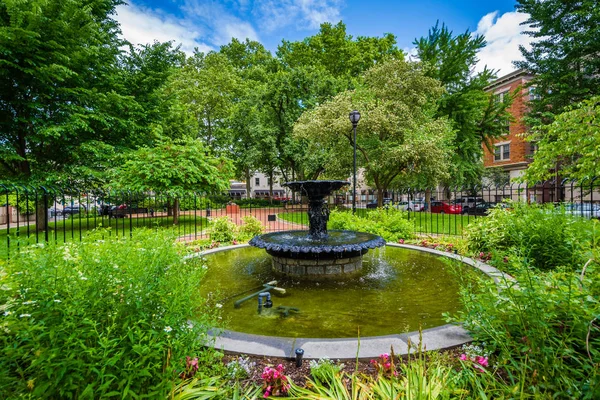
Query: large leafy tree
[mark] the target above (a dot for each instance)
(62, 104)
(564, 55)
(474, 115)
(205, 89)
(571, 140)
(174, 168)
(398, 137)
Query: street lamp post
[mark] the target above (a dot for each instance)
(354, 118)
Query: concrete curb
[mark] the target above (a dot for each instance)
(438, 338)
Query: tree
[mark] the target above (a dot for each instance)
(62, 107)
(572, 140)
(174, 168)
(474, 114)
(206, 87)
(564, 56)
(337, 52)
(398, 136)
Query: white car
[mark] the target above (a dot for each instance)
(583, 210)
(410, 206)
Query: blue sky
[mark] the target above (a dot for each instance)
(207, 24)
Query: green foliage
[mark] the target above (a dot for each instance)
(174, 168)
(475, 117)
(24, 204)
(251, 227)
(398, 136)
(390, 224)
(107, 316)
(323, 368)
(563, 57)
(222, 229)
(543, 329)
(548, 237)
(571, 141)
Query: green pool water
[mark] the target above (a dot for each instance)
(400, 291)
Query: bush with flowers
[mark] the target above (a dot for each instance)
(105, 316)
(275, 382)
(384, 365)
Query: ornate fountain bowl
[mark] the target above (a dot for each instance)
(317, 253)
(339, 255)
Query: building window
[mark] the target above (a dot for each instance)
(502, 152)
(534, 93)
(257, 181)
(499, 97)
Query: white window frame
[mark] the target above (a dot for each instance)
(501, 147)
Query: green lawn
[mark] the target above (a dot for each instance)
(73, 229)
(425, 223)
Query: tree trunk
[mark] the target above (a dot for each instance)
(248, 186)
(427, 199)
(169, 208)
(41, 214)
(379, 197)
(176, 211)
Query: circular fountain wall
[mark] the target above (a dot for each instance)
(398, 290)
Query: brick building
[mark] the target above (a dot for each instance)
(511, 152)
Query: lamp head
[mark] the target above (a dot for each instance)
(354, 117)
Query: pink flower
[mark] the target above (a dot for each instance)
(463, 357)
(401, 241)
(483, 361)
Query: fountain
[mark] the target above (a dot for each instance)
(317, 254)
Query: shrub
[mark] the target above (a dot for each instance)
(251, 227)
(390, 224)
(543, 329)
(248, 203)
(104, 317)
(548, 237)
(222, 229)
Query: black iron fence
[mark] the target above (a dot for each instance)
(34, 215)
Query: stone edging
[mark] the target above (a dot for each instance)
(438, 338)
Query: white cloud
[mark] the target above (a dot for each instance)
(503, 35)
(305, 14)
(142, 26)
(221, 24)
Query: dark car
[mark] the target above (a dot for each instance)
(445, 208)
(372, 204)
(479, 209)
(70, 210)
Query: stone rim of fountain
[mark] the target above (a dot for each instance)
(437, 338)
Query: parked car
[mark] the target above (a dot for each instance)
(70, 210)
(410, 206)
(586, 210)
(443, 207)
(479, 209)
(468, 202)
(372, 204)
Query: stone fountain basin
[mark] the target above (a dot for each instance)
(298, 244)
(437, 338)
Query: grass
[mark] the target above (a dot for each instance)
(426, 223)
(73, 229)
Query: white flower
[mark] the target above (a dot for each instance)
(83, 278)
(26, 303)
(219, 305)
(168, 329)
(24, 315)
(57, 301)
(7, 313)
